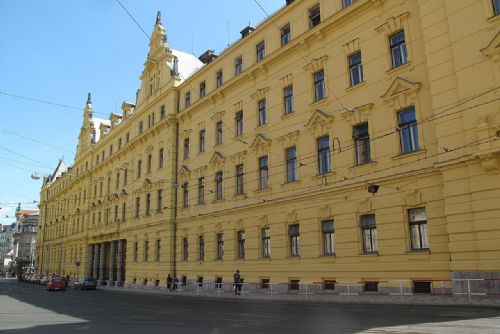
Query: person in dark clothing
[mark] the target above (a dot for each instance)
(237, 283)
(169, 282)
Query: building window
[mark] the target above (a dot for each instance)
(201, 248)
(241, 244)
(160, 158)
(201, 142)
(116, 213)
(324, 164)
(137, 206)
(314, 16)
(265, 283)
(286, 36)
(346, 3)
(408, 131)
(370, 286)
(139, 168)
(240, 182)
(186, 148)
(419, 236)
(141, 126)
(294, 237)
(203, 89)
(149, 163)
(260, 51)
(201, 190)
(266, 241)
(117, 181)
(136, 250)
(319, 85)
(355, 69)
(362, 143)
(294, 285)
(369, 233)
(124, 211)
(288, 99)
(162, 112)
(220, 244)
(398, 49)
(327, 228)
(185, 249)
(158, 250)
(219, 79)
(125, 176)
(262, 112)
(329, 285)
(187, 100)
(263, 173)
(127, 137)
(422, 287)
(110, 150)
(119, 144)
(238, 65)
(496, 7)
(148, 204)
(239, 123)
(218, 186)
(291, 164)
(218, 133)
(159, 201)
(185, 195)
(146, 251)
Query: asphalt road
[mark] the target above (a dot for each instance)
(26, 308)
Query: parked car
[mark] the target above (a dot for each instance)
(36, 279)
(43, 280)
(86, 283)
(56, 283)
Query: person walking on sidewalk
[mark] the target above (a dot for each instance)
(169, 282)
(237, 283)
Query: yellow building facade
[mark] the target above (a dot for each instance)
(338, 141)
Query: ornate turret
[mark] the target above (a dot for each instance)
(87, 130)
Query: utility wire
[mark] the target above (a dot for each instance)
(133, 19)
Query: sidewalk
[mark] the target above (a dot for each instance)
(331, 298)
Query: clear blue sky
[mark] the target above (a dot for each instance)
(58, 51)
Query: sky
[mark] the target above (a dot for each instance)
(58, 51)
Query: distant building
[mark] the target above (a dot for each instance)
(6, 244)
(24, 238)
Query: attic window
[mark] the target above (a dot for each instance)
(314, 16)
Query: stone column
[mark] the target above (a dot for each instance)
(90, 261)
(119, 264)
(102, 264)
(95, 272)
(112, 263)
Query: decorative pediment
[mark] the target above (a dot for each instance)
(286, 80)
(401, 93)
(290, 139)
(319, 123)
(185, 133)
(218, 116)
(217, 158)
(260, 94)
(123, 192)
(291, 217)
(325, 212)
(147, 183)
(239, 157)
(352, 46)
(413, 197)
(260, 140)
(493, 49)
(358, 114)
(202, 171)
(316, 64)
(184, 171)
(149, 149)
(238, 106)
(393, 24)
(365, 205)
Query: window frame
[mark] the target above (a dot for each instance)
(324, 156)
(496, 7)
(201, 140)
(201, 248)
(264, 172)
(422, 229)
(219, 78)
(408, 132)
(241, 244)
(266, 241)
(238, 118)
(294, 239)
(328, 234)
(319, 85)
(238, 65)
(185, 195)
(203, 89)
(186, 148)
(261, 112)
(285, 34)
(219, 251)
(240, 180)
(187, 99)
(361, 143)
(368, 226)
(260, 51)
(219, 133)
(288, 100)
(291, 164)
(201, 190)
(219, 179)
(398, 48)
(185, 249)
(355, 69)
(314, 18)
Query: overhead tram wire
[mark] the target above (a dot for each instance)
(133, 19)
(36, 141)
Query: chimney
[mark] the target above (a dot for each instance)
(245, 32)
(208, 57)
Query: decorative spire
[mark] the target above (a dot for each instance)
(158, 17)
(89, 101)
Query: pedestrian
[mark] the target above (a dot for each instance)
(169, 282)
(237, 283)
(176, 282)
